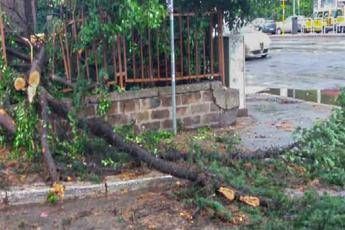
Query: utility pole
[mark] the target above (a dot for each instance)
(294, 7)
(170, 4)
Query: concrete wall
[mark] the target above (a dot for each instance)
(198, 105)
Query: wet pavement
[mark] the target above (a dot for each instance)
(273, 119)
(300, 64)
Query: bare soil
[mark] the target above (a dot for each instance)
(154, 208)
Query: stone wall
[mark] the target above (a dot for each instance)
(198, 105)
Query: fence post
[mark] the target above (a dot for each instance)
(221, 47)
(3, 44)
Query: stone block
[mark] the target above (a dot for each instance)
(191, 98)
(207, 96)
(182, 111)
(155, 125)
(150, 103)
(211, 118)
(200, 108)
(186, 88)
(141, 117)
(160, 114)
(114, 108)
(166, 124)
(118, 119)
(214, 108)
(129, 106)
(166, 100)
(189, 122)
(134, 94)
(226, 98)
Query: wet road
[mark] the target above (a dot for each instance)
(312, 65)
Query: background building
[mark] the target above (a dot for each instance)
(326, 4)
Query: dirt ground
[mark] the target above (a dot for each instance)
(154, 208)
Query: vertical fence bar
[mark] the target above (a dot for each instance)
(3, 39)
(113, 54)
(119, 54)
(53, 56)
(75, 37)
(95, 53)
(188, 40)
(122, 85)
(196, 55)
(68, 56)
(158, 61)
(141, 57)
(133, 57)
(221, 47)
(181, 44)
(150, 54)
(64, 56)
(87, 67)
(211, 44)
(105, 63)
(204, 55)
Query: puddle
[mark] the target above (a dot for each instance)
(323, 96)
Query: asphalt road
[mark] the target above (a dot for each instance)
(300, 64)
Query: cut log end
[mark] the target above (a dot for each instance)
(19, 83)
(34, 78)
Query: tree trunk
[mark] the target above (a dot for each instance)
(47, 157)
(101, 129)
(28, 17)
(7, 123)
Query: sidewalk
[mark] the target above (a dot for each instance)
(272, 120)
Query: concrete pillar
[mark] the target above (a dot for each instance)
(234, 54)
(284, 92)
(318, 96)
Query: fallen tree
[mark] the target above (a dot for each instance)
(7, 122)
(102, 129)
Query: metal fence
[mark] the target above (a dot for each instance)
(144, 56)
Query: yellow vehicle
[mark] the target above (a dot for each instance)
(340, 20)
(326, 21)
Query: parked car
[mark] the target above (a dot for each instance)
(257, 43)
(286, 26)
(269, 27)
(258, 23)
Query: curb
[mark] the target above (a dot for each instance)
(38, 194)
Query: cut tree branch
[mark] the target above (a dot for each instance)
(101, 129)
(12, 52)
(47, 156)
(7, 123)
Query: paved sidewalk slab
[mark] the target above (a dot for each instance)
(272, 120)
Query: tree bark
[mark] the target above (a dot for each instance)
(28, 17)
(47, 156)
(12, 52)
(7, 122)
(101, 129)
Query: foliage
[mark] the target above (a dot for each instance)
(52, 198)
(25, 137)
(273, 9)
(104, 103)
(25, 115)
(322, 149)
(315, 212)
(149, 139)
(219, 209)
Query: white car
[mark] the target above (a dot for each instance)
(257, 43)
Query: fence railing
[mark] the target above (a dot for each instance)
(144, 56)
